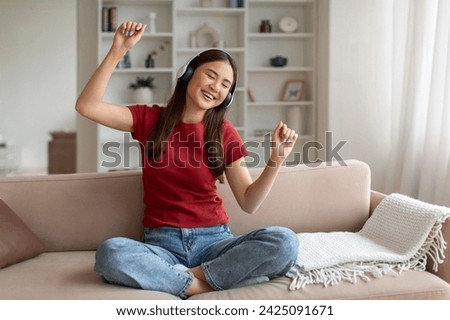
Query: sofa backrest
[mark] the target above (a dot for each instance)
(77, 211)
(328, 197)
(80, 211)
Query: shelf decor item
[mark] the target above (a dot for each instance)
(143, 95)
(265, 26)
(152, 22)
(143, 89)
(278, 61)
(293, 90)
(105, 19)
(112, 25)
(206, 36)
(150, 61)
(288, 24)
(109, 19)
(236, 3)
(125, 62)
(251, 94)
(143, 83)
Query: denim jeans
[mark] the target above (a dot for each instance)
(227, 261)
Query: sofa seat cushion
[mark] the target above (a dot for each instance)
(64, 275)
(410, 285)
(70, 275)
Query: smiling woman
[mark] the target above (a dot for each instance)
(186, 147)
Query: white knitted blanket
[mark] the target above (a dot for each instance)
(401, 233)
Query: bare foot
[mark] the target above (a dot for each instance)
(198, 273)
(199, 284)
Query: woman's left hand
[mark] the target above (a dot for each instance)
(283, 140)
(248, 193)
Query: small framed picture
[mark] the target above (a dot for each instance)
(293, 90)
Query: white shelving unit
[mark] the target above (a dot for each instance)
(238, 29)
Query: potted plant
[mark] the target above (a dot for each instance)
(143, 89)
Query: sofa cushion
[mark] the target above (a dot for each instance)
(65, 276)
(410, 285)
(17, 241)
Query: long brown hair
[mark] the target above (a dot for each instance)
(213, 120)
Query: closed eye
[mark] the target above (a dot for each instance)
(211, 75)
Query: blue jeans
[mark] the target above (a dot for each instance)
(226, 260)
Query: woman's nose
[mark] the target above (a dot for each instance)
(215, 86)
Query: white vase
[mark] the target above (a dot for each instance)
(143, 95)
(151, 24)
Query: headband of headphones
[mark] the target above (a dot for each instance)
(185, 73)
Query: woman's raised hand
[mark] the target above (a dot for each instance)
(283, 140)
(91, 103)
(128, 34)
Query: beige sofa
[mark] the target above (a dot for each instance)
(72, 214)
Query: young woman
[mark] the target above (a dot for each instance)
(186, 147)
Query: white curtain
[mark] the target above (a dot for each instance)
(420, 154)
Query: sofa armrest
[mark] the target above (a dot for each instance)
(444, 268)
(375, 199)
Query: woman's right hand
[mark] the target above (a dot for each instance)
(128, 34)
(90, 103)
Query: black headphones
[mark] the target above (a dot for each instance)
(185, 73)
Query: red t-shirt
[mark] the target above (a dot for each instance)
(180, 188)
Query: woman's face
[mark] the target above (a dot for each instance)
(209, 85)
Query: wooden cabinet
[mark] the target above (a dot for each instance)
(62, 152)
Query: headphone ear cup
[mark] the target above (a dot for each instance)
(227, 101)
(187, 74)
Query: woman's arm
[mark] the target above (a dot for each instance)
(90, 102)
(250, 194)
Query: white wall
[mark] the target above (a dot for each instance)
(359, 85)
(37, 74)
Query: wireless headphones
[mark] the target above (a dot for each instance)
(185, 73)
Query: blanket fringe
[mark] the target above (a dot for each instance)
(349, 272)
(437, 244)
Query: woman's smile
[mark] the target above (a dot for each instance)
(208, 95)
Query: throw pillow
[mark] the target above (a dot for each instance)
(17, 241)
